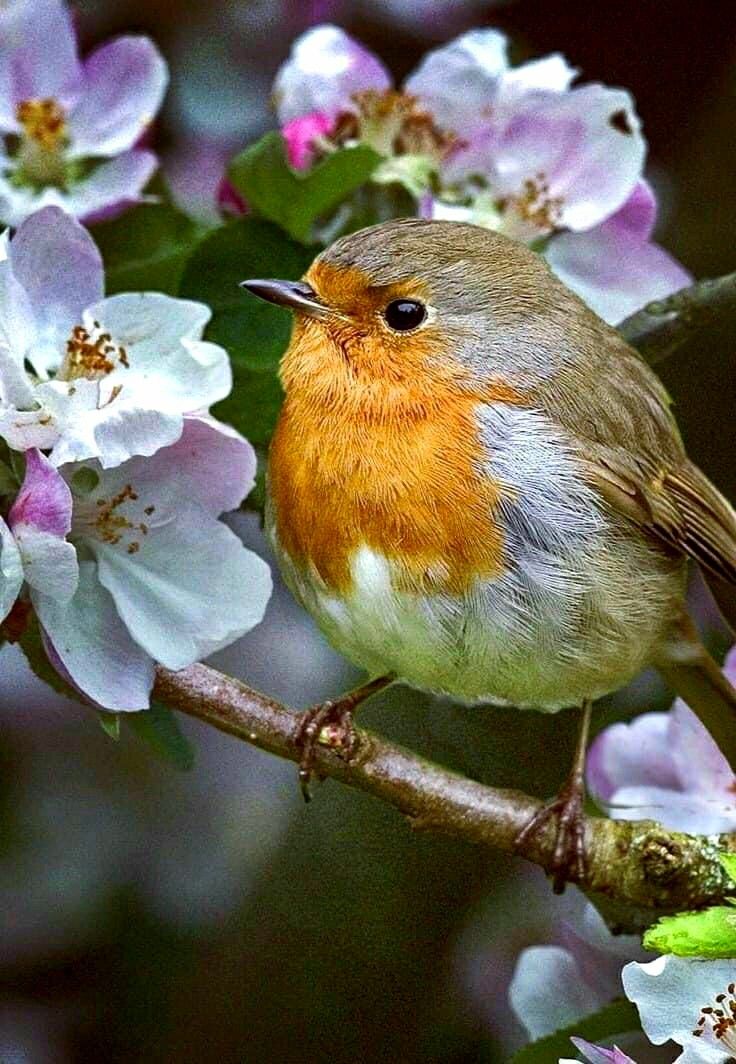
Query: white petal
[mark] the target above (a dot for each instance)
(11, 570)
(113, 185)
(23, 429)
(94, 646)
(552, 73)
(459, 82)
(325, 68)
(548, 991)
(669, 993)
(88, 427)
(190, 588)
(49, 563)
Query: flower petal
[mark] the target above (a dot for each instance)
(11, 570)
(94, 646)
(44, 501)
(325, 68)
(459, 82)
(612, 269)
(87, 427)
(636, 754)
(111, 187)
(49, 563)
(59, 269)
(124, 84)
(669, 993)
(300, 134)
(190, 588)
(599, 1055)
(552, 73)
(38, 57)
(701, 766)
(547, 991)
(586, 145)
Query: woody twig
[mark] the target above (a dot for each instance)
(638, 865)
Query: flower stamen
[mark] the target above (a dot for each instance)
(43, 121)
(91, 355)
(535, 204)
(718, 1020)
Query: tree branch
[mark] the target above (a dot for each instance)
(638, 864)
(659, 328)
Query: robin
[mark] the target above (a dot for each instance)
(477, 488)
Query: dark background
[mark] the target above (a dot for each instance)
(151, 915)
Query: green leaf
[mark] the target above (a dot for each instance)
(728, 860)
(110, 724)
(296, 200)
(710, 933)
(618, 1018)
(146, 248)
(8, 481)
(159, 729)
(254, 333)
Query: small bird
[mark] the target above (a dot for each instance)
(477, 488)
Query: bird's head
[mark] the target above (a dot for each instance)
(407, 306)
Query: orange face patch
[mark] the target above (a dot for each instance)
(378, 445)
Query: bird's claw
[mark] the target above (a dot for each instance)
(568, 859)
(328, 724)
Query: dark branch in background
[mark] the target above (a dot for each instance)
(659, 328)
(638, 865)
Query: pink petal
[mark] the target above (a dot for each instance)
(44, 501)
(300, 135)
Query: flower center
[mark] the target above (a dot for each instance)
(393, 123)
(535, 205)
(104, 519)
(718, 1020)
(40, 154)
(91, 355)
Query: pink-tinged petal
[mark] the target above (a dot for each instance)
(326, 67)
(38, 56)
(94, 646)
(583, 149)
(701, 766)
(112, 186)
(729, 665)
(300, 134)
(636, 754)
(548, 992)
(613, 271)
(123, 86)
(459, 82)
(56, 263)
(44, 501)
(218, 464)
(598, 1055)
(696, 814)
(11, 570)
(638, 214)
(229, 200)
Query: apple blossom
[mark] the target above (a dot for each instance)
(109, 378)
(70, 125)
(518, 149)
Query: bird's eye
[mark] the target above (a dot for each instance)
(403, 315)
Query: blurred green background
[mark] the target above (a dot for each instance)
(156, 915)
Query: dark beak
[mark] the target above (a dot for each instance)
(294, 295)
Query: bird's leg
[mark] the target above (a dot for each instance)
(336, 716)
(568, 860)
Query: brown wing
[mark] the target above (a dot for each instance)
(680, 507)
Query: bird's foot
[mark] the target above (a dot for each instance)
(327, 724)
(568, 858)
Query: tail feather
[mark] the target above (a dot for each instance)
(691, 671)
